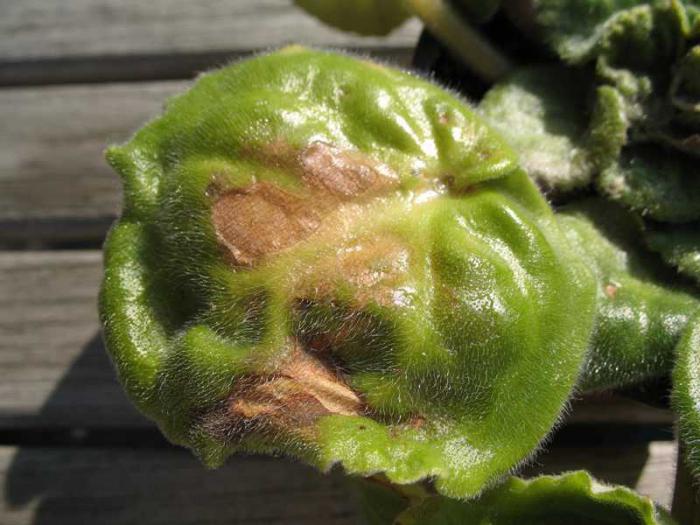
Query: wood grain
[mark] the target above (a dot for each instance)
(43, 28)
(57, 486)
(42, 41)
(54, 182)
(53, 368)
(68, 486)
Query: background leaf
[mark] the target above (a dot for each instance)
(655, 183)
(572, 498)
(679, 246)
(541, 111)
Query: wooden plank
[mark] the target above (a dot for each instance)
(53, 368)
(42, 28)
(54, 371)
(54, 182)
(166, 486)
(57, 486)
(43, 41)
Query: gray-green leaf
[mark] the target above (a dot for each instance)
(679, 246)
(656, 182)
(541, 111)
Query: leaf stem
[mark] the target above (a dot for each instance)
(686, 504)
(462, 39)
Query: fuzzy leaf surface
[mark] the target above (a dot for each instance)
(685, 397)
(543, 112)
(323, 257)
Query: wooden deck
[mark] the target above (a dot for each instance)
(76, 75)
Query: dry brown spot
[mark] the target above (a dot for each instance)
(303, 390)
(275, 402)
(611, 290)
(377, 270)
(343, 174)
(319, 380)
(261, 219)
(417, 422)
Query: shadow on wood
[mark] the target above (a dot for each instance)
(88, 456)
(129, 474)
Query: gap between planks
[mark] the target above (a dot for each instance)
(54, 486)
(166, 66)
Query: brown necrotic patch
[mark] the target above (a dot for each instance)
(261, 219)
(345, 175)
(291, 400)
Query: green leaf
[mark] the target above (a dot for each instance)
(580, 31)
(685, 397)
(685, 97)
(693, 9)
(685, 90)
(366, 277)
(641, 311)
(574, 28)
(608, 128)
(678, 245)
(366, 17)
(572, 498)
(644, 39)
(655, 182)
(635, 47)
